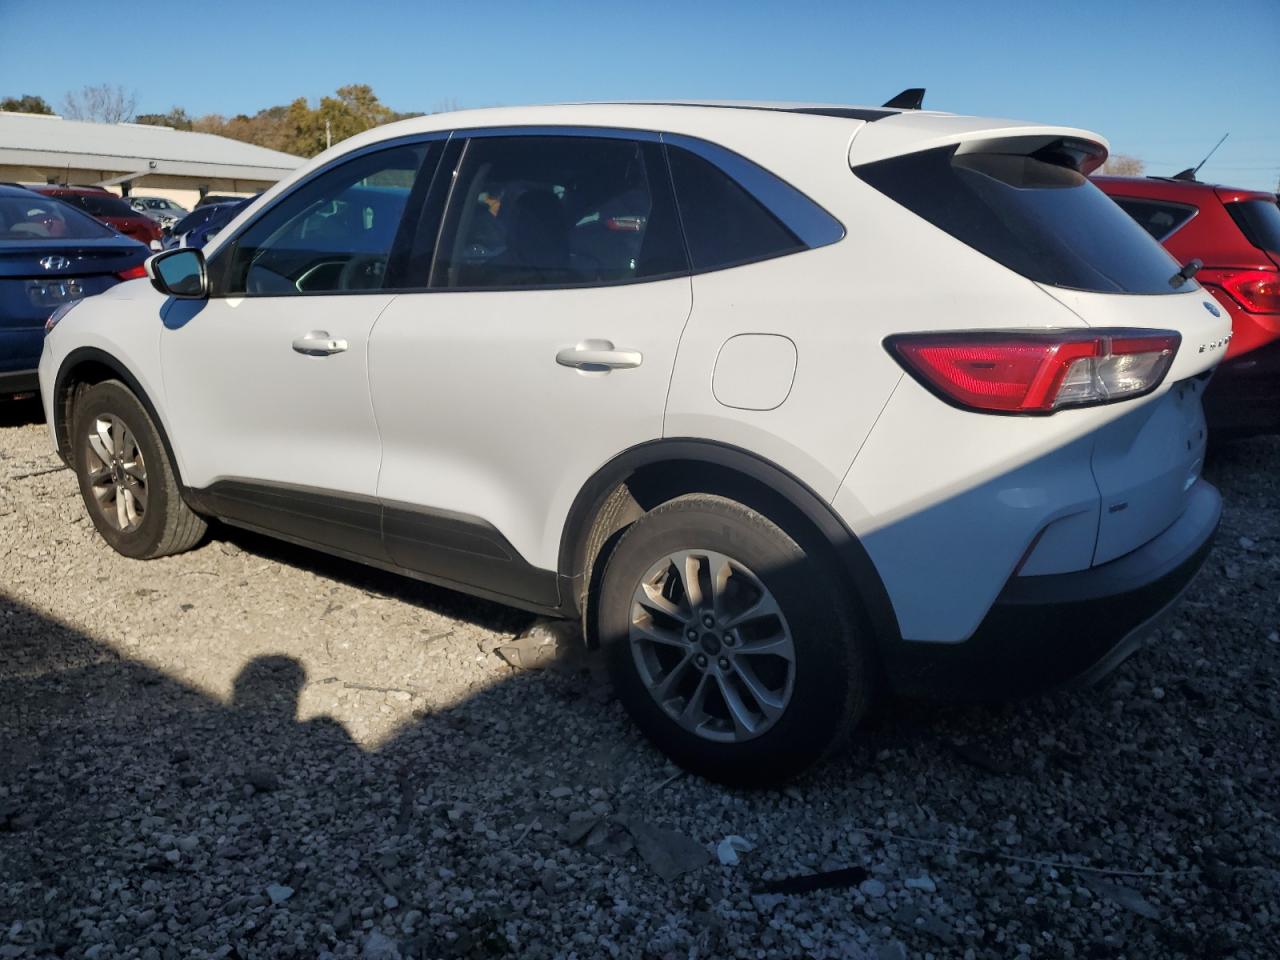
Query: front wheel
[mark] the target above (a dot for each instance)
(126, 480)
(730, 644)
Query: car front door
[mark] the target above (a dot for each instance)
(266, 381)
(542, 347)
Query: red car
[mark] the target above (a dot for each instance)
(107, 208)
(1236, 234)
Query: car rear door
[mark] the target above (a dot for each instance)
(541, 346)
(266, 381)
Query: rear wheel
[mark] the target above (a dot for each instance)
(126, 480)
(729, 643)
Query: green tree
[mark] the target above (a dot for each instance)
(176, 118)
(353, 109)
(298, 128)
(27, 103)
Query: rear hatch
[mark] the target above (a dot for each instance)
(1147, 460)
(1025, 201)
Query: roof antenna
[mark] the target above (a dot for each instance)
(1190, 172)
(910, 99)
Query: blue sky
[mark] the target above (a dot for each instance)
(1162, 80)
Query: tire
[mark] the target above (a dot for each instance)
(153, 521)
(809, 706)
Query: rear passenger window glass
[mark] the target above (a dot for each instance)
(332, 234)
(1044, 221)
(724, 225)
(1158, 219)
(558, 211)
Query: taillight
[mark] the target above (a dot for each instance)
(1258, 291)
(133, 273)
(1037, 373)
(624, 224)
(59, 313)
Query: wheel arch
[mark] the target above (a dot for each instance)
(85, 367)
(644, 476)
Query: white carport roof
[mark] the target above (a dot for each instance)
(129, 151)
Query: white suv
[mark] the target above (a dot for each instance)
(790, 404)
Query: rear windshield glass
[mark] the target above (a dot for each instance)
(42, 218)
(1044, 221)
(100, 204)
(1259, 221)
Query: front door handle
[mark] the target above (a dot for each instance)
(318, 343)
(598, 356)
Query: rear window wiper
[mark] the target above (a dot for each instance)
(1186, 273)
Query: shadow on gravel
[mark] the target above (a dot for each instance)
(19, 413)
(449, 603)
(142, 817)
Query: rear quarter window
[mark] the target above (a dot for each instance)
(1043, 221)
(735, 212)
(1259, 221)
(1158, 218)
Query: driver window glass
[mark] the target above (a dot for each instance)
(334, 234)
(555, 211)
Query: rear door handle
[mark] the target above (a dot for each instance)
(318, 343)
(598, 355)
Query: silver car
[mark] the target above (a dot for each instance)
(160, 209)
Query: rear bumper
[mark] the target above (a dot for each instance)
(1048, 631)
(1244, 395)
(19, 381)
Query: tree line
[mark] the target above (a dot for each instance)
(296, 128)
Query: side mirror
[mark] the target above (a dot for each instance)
(179, 273)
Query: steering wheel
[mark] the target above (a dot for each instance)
(363, 272)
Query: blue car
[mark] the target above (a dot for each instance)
(201, 225)
(50, 254)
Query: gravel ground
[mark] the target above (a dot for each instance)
(254, 751)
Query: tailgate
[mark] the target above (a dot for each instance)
(1147, 460)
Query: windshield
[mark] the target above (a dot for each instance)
(1044, 221)
(100, 204)
(1259, 221)
(43, 218)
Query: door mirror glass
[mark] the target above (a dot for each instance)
(179, 273)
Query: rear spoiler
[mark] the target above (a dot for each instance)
(912, 131)
(1074, 153)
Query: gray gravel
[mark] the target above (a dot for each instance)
(254, 751)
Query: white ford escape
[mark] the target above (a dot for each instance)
(791, 404)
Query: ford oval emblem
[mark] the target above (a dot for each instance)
(1212, 309)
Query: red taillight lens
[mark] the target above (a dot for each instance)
(1258, 291)
(624, 224)
(133, 273)
(1037, 373)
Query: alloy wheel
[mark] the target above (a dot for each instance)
(117, 472)
(712, 646)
